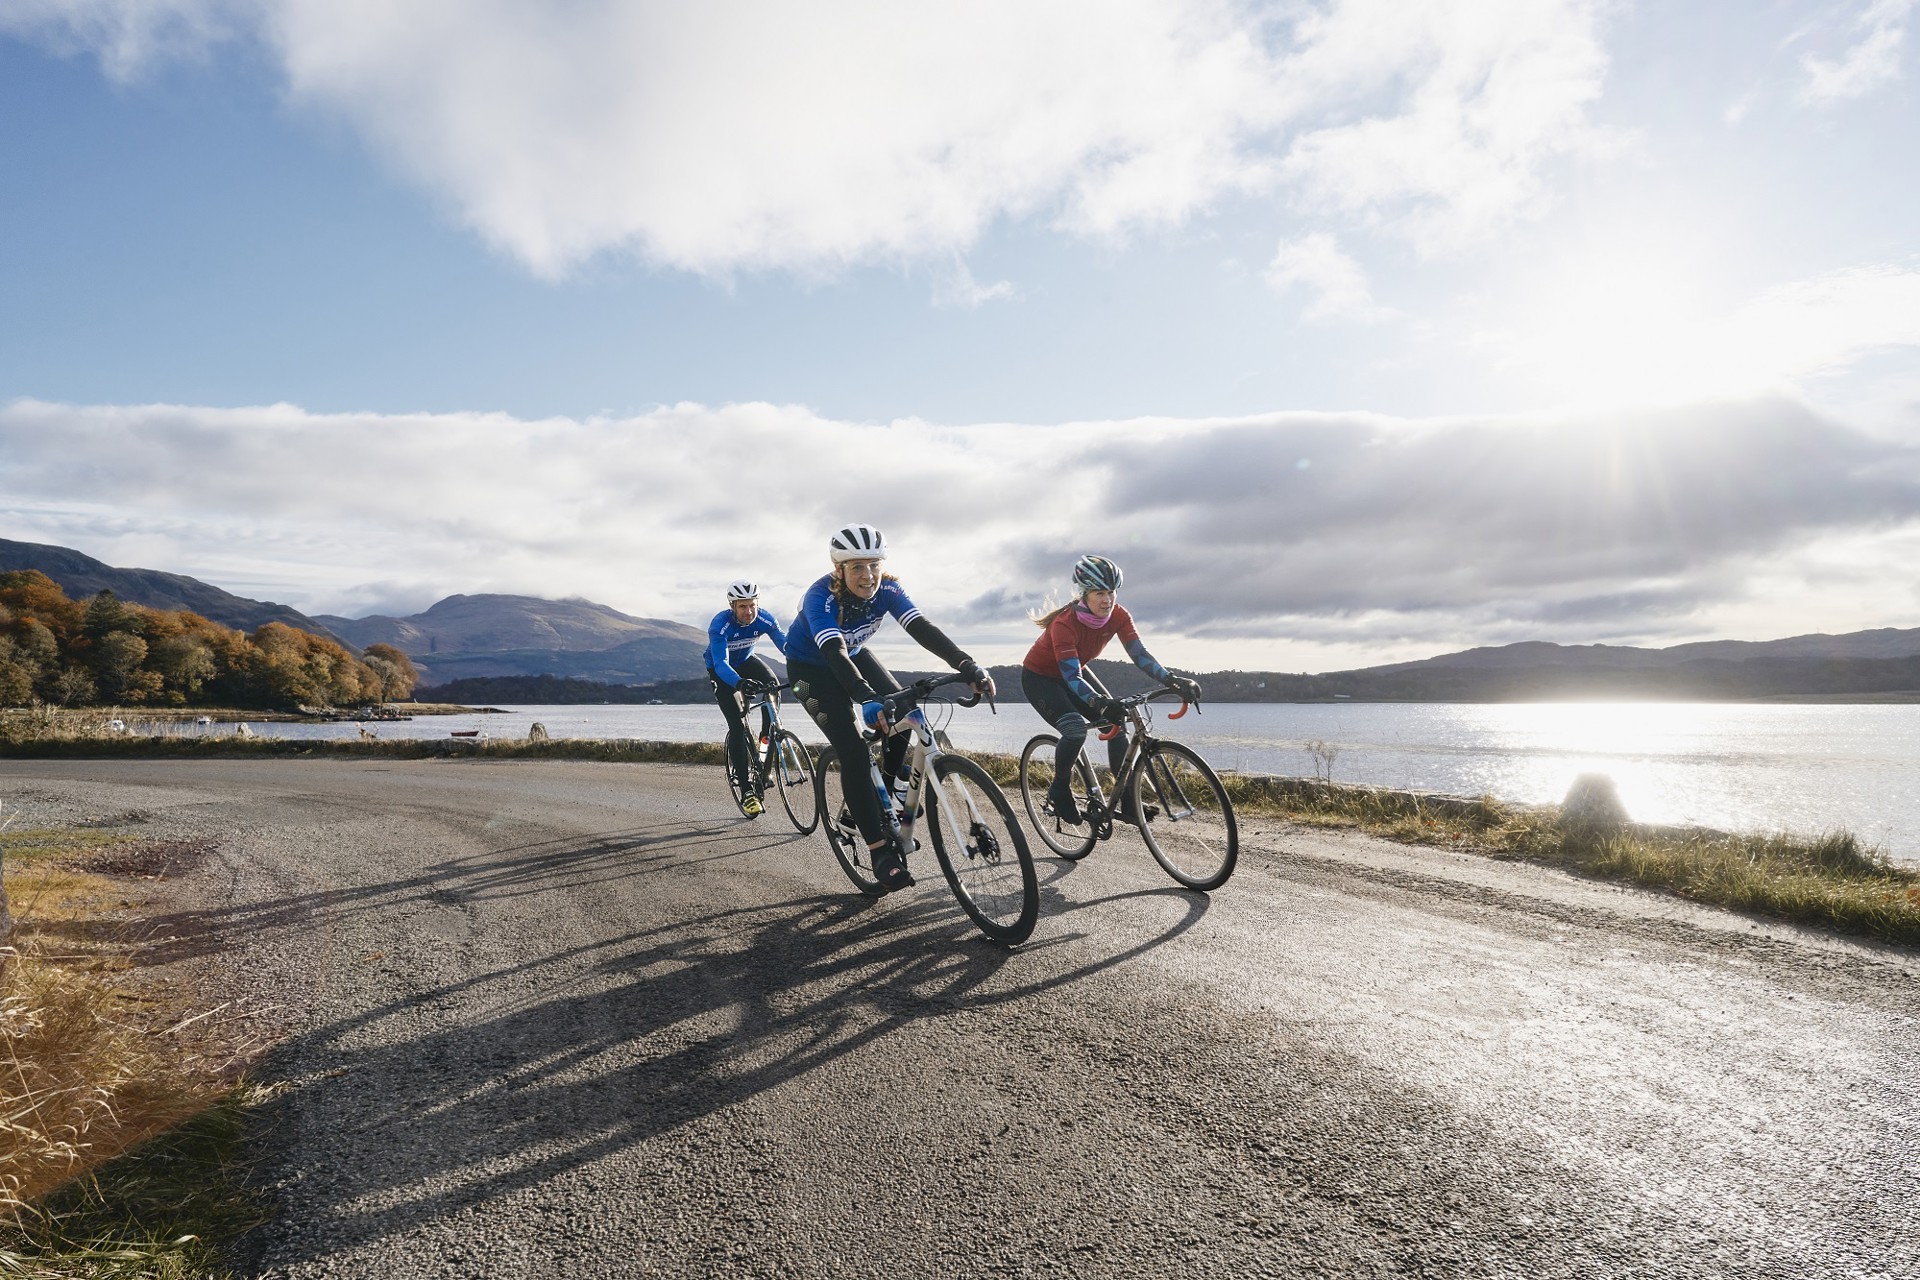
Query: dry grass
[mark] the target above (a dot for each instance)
(119, 1152)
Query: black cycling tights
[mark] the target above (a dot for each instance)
(1054, 700)
(838, 716)
(738, 740)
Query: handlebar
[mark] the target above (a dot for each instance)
(1133, 700)
(906, 699)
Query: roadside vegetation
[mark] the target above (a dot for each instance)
(122, 1152)
(1832, 880)
(58, 652)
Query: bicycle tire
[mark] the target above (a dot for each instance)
(1036, 778)
(995, 885)
(793, 776)
(736, 788)
(849, 847)
(1194, 835)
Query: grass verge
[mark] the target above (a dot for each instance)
(1832, 881)
(125, 1113)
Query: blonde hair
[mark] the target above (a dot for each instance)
(1043, 616)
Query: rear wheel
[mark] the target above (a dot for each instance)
(830, 806)
(982, 850)
(1036, 779)
(1184, 813)
(793, 775)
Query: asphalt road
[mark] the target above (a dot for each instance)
(570, 1019)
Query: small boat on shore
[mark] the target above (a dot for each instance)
(466, 733)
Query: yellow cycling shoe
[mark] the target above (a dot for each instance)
(752, 807)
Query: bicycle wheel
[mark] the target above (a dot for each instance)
(793, 775)
(1185, 816)
(982, 850)
(739, 787)
(1036, 777)
(849, 846)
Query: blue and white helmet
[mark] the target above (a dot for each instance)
(1096, 573)
(742, 590)
(858, 542)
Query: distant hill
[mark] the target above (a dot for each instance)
(1857, 663)
(81, 576)
(466, 637)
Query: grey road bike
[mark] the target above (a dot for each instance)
(782, 759)
(976, 836)
(1163, 788)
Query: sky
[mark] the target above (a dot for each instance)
(1355, 330)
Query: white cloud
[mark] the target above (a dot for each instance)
(1317, 263)
(1492, 92)
(1626, 331)
(956, 287)
(1873, 59)
(1433, 534)
(742, 134)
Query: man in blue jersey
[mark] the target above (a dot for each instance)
(738, 675)
(841, 682)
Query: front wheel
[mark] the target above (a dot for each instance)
(1183, 812)
(982, 850)
(739, 787)
(793, 775)
(830, 805)
(1036, 778)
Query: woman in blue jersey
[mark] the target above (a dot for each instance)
(737, 675)
(840, 682)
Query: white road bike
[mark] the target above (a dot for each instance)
(978, 840)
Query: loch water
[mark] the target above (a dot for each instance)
(1799, 768)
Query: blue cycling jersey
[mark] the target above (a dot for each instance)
(729, 643)
(823, 617)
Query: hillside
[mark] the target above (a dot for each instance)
(81, 576)
(1858, 663)
(471, 636)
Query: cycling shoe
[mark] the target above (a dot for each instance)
(890, 869)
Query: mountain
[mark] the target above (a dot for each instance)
(1858, 663)
(471, 636)
(80, 576)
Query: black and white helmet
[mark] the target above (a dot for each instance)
(858, 542)
(1096, 573)
(742, 590)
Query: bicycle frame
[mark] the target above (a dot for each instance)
(764, 758)
(1140, 741)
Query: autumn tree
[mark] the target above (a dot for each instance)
(395, 671)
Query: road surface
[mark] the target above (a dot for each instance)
(579, 1019)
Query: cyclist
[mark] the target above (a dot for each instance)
(840, 681)
(1064, 690)
(737, 675)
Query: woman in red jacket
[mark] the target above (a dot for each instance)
(1062, 689)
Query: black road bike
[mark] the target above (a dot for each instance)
(982, 850)
(1163, 788)
(783, 760)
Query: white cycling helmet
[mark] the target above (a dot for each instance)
(858, 542)
(1097, 573)
(742, 590)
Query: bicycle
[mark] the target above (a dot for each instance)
(1163, 788)
(783, 758)
(982, 850)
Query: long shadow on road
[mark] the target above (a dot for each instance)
(501, 1081)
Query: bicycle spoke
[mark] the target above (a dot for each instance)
(1188, 821)
(982, 851)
